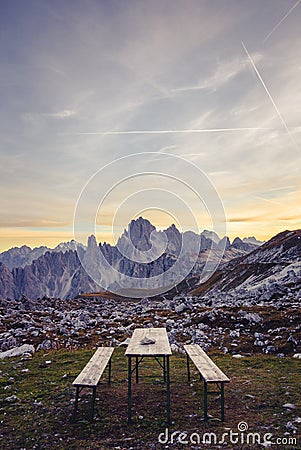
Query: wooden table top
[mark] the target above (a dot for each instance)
(161, 347)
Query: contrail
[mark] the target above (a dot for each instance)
(268, 200)
(268, 93)
(283, 18)
(205, 130)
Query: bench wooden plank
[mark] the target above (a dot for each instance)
(160, 348)
(92, 372)
(208, 369)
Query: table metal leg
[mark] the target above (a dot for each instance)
(137, 368)
(129, 389)
(164, 369)
(168, 391)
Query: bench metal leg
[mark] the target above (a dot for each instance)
(110, 369)
(76, 401)
(188, 368)
(129, 389)
(164, 369)
(168, 391)
(205, 401)
(93, 402)
(222, 402)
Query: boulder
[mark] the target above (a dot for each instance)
(18, 351)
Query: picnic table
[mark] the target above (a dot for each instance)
(148, 342)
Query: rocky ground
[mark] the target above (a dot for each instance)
(241, 329)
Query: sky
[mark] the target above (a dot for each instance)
(216, 83)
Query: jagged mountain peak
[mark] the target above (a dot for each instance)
(252, 240)
(211, 235)
(140, 224)
(138, 234)
(240, 244)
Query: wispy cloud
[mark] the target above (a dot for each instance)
(225, 72)
(64, 114)
(32, 223)
(243, 219)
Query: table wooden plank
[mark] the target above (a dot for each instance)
(208, 369)
(92, 372)
(161, 347)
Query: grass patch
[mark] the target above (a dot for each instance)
(41, 415)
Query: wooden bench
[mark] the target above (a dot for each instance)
(91, 374)
(210, 374)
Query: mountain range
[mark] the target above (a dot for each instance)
(247, 267)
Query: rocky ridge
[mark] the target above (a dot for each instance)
(269, 273)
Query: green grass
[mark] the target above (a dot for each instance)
(41, 417)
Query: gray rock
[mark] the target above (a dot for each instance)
(12, 398)
(176, 348)
(8, 343)
(234, 333)
(270, 349)
(252, 317)
(45, 345)
(289, 406)
(290, 426)
(18, 351)
(259, 335)
(125, 343)
(181, 308)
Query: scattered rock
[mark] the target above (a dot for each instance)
(180, 308)
(234, 333)
(12, 398)
(45, 345)
(125, 343)
(289, 406)
(290, 426)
